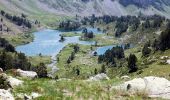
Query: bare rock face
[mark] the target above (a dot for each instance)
(5, 95)
(27, 74)
(153, 86)
(99, 77)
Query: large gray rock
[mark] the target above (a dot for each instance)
(14, 82)
(64, 79)
(164, 57)
(125, 77)
(1, 70)
(11, 82)
(35, 95)
(32, 96)
(168, 61)
(153, 86)
(99, 77)
(27, 74)
(6, 95)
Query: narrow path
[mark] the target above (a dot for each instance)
(53, 68)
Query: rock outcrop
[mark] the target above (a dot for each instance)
(152, 86)
(99, 77)
(27, 74)
(5, 95)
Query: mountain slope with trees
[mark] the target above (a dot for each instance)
(88, 7)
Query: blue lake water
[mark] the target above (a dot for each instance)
(47, 42)
(102, 50)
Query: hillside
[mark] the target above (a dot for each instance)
(87, 7)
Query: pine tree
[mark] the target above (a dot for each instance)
(146, 50)
(132, 63)
(41, 70)
(103, 69)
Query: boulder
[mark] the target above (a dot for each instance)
(27, 74)
(168, 61)
(4, 83)
(152, 86)
(164, 57)
(1, 70)
(6, 95)
(26, 97)
(125, 77)
(14, 82)
(99, 77)
(35, 95)
(32, 96)
(63, 79)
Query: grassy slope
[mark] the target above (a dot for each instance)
(17, 36)
(151, 66)
(31, 9)
(68, 90)
(36, 60)
(83, 60)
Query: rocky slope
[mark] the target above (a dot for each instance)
(88, 7)
(111, 7)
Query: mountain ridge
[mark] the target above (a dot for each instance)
(89, 7)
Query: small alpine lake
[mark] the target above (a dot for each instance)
(46, 42)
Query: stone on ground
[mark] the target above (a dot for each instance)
(32, 96)
(35, 95)
(152, 86)
(125, 77)
(27, 74)
(99, 77)
(168, 61)
(14, 82)
(6, 95)
(164, 57)
(1, 70)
